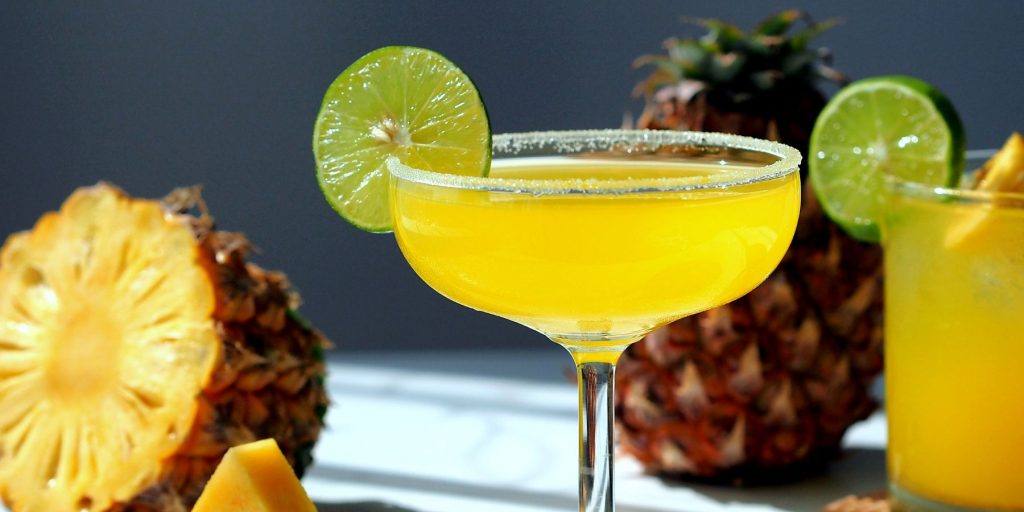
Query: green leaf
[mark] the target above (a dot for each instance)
(713, 24)
(649, 60)
(670, 71)
(762, 45)
(688, 52)
(725, 67)
(766, 80)
(800, 40)
(797, 63)
(299, 319)
(666, 70)
(657, 79)
(700, 73)
(721, 36)
(778, 24)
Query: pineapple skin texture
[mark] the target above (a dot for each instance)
(254, 477)
(136, 346)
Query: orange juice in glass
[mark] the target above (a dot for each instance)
(954, 262)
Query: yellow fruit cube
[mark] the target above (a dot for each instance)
(254, 477)
(1004, 172)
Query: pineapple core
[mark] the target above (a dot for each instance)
(254, 477)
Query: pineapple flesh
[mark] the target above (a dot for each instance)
(126, 369)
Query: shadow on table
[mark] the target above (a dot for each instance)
(860, 470)
(539, 499)
(363, 506)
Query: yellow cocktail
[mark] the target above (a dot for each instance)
(955, 347)
(595, 238)
(596, 267)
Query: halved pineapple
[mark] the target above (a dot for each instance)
(136, 346)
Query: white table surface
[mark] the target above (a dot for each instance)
(496, 432)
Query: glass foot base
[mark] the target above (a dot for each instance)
(905, 501)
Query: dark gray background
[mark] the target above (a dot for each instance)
(152, 95)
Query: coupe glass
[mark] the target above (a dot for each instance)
(954, 348)
(595, 238)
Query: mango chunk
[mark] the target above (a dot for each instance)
(254, 477)
(1004, 172)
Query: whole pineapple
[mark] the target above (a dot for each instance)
(136, 347)
(765, 386)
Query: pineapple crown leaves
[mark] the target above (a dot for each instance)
(188, 201)
(774, 57)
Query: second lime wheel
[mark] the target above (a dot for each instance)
(885, 125)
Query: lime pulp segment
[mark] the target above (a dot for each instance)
(399, 101)
(887, 125)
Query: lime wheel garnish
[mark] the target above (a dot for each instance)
(399, 101)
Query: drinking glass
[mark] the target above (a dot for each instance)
(595, 238)
(954, 347)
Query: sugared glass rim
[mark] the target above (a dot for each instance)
(576, 141)
(954, 195)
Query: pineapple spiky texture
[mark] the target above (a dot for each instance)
(136, 346)
(762, 83)
(765, 387)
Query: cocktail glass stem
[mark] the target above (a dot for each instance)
(597, 421)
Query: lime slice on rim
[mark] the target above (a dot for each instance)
(891, 124)
(399, 101)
